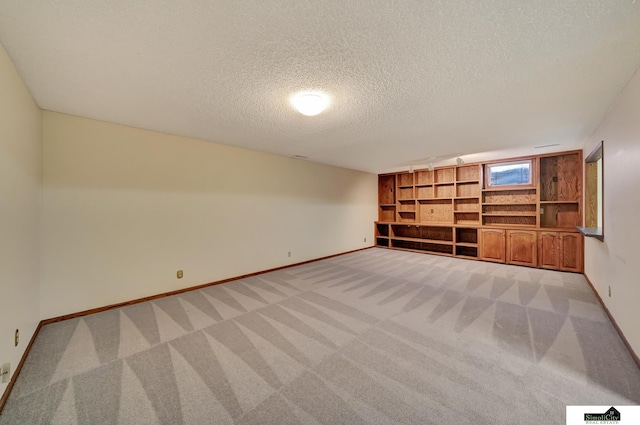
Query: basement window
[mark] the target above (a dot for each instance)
(594, 194)
(509, 174)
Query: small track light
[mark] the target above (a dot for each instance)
(460, 161)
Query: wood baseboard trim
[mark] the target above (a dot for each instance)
(191, 288)
(634, 356)
(7, 390)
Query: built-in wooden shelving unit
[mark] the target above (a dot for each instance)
(454, 211)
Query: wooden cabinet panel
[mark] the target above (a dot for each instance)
(386, 190)
(570, 252)
(549, 250)
(560, 251)
(387, 198)
(492, 245)
(522, 247)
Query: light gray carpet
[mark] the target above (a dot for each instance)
(373, 337)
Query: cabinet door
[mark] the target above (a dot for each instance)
(571, 252)
(522, 247)
(549, 250)
(492, 245)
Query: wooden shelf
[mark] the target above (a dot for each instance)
(508, 215)
(468, 173)
(406, 186)
(508, 226)
(509, 203)
(509, 189)
(387, 205)
(559, 202)
(559, 229)
(467, 181)
(472, 245)
(434, 241)
(474, 226)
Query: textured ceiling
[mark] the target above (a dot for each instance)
(408, 79)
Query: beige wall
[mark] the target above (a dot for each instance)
(616, 261)
(125, 208)
(20, 191)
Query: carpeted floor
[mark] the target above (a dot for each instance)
(373, 337)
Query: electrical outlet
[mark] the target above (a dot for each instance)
(16, 338)
(609, 291)
(289, 254)
(179, 274)
(541, 210)
(5, 371)
(365, 239)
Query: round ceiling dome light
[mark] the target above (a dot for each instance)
(310, 103)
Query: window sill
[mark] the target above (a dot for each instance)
(591, 232)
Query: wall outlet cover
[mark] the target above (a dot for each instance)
(5, 370)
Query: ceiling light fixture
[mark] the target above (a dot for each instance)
(310, 103)
(459, 161)
(430, 167)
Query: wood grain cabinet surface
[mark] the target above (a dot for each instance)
(548, 250)
(492, 245)
(522, 247)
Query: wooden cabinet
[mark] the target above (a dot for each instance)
(522, 247)
(561, 190)
(571, 252)
(560, 251)
(520, 211)
(492, 245)
(548, 250)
